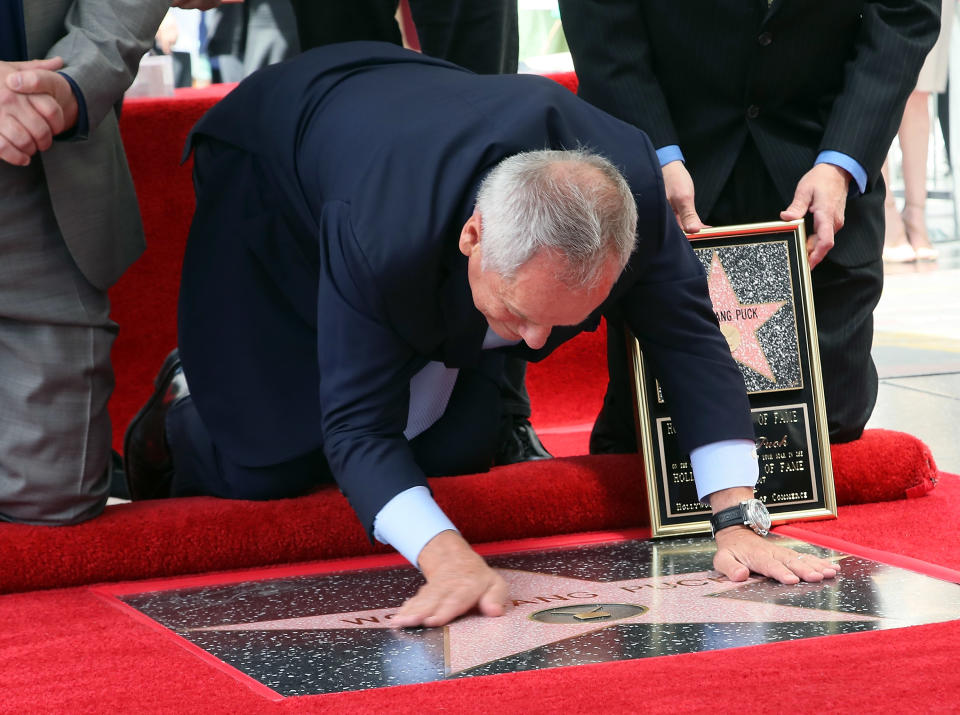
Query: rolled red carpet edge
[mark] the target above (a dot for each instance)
(561, 496)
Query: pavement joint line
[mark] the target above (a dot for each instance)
(918, 389)
(935, 373)
(915, 341)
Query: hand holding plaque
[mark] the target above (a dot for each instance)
(759, 282)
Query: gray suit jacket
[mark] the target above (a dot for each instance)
(101, 43)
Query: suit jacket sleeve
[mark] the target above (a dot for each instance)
(894, 38)
(365, 370)
(664, 299)
(616, 74)
(102, 47)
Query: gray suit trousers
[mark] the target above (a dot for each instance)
(55, 373)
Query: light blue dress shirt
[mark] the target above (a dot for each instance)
(672, 152)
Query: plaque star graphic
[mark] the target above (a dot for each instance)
(739, 322)
(546, 609)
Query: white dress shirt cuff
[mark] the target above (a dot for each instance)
(725, 464)
(408, 521)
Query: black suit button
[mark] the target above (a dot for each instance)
(765, 39)
(753, 111)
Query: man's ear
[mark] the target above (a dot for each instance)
(470, 234)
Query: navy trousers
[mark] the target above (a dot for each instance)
(463, 441)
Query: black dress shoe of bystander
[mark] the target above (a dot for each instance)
(147, 460)
(520, 444)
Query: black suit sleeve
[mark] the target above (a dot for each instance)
(893, 40)
(612, 58)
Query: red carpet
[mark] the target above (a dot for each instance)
(571, 495)
(912, 527)
(68, 650)
(71, 651)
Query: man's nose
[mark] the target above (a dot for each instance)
(535, 336)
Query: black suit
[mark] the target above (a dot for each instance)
(481, 35)
(323, 269)
(752, 94)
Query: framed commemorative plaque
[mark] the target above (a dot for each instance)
(759, 283)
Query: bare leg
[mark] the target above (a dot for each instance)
(914, 140)
(896, 249)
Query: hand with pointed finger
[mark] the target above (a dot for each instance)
(740, 551)
(821, 192)
(28, 122)
(457, 580)
(679, 189)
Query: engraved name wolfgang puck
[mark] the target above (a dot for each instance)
(576, 607)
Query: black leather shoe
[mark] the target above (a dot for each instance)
(520, 444)
(613, 432)
(147, 461)
(118, 480)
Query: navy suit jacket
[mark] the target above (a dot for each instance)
(367, 158)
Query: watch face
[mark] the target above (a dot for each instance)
(758, 515)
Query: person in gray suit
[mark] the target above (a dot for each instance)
(69, 227)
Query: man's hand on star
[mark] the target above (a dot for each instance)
(740, 550)
(28, 121)
(822, 192)
(457, 580)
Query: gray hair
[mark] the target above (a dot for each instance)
(574, 203)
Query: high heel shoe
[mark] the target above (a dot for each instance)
(915, 224)
(927, 253)
(903, 253)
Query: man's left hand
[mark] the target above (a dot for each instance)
(822, 192)
(741, 551)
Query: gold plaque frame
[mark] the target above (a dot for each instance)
(760, 287)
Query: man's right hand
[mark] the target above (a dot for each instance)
(679, 187)
(457, 580)
(28, 123)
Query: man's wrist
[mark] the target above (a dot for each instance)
(726, 498)
(72, 102)
(440, 550)
(851, 169)
(409, 521)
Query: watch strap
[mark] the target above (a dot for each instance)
(731, 516)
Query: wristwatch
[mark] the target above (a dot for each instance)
(751, 512)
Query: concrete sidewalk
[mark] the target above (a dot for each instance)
(917, 351)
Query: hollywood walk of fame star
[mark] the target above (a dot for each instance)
(576, 607)
(739, 322)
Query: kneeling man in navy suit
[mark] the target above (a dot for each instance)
(375, 231)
